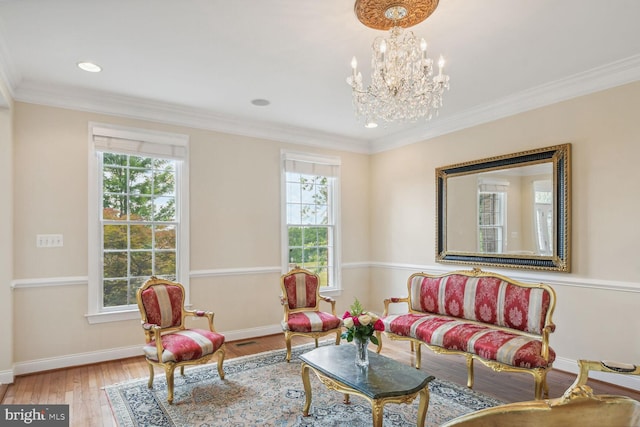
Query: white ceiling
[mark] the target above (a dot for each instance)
(200, 62)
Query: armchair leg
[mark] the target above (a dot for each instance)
(338, 337)
(150, 383)
(220, 362)
(287, 339)
(316, 342)
(418, 355)
(379, 336)
(169, 373)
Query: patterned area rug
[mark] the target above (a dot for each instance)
(264, 390)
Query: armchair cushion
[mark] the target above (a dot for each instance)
(181, 346)
(311, 321)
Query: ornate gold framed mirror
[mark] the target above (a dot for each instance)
(506, 211)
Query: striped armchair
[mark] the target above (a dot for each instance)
(169, 343)
(301, 302)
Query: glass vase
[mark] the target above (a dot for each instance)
(362, 354)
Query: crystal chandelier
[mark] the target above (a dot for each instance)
(404, 87)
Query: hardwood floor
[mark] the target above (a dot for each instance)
(81, 387)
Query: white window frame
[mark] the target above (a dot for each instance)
(543, 230)
(141, 142)
(322, 165)
(499, 188)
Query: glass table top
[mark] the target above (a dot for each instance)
(384, 377)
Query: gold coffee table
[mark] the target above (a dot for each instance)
(384, 381)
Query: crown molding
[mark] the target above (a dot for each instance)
(9, 76)
(166, 113)
(600, 78)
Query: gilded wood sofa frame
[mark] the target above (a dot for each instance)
(539, 374)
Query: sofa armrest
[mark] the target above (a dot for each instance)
(388, 301)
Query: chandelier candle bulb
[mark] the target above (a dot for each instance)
(440, 65)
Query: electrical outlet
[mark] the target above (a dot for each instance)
(49, 240)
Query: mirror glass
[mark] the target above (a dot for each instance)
(508, 211)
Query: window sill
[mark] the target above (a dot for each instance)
(113, 316)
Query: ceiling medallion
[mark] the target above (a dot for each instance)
(378, 14)
(404, 87)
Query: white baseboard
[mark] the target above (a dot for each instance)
(571, 366)
(28, 367)
(67, 361)
(252, 333)
(78, 359)
(6, 377)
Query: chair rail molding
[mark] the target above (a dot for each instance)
(549, 278)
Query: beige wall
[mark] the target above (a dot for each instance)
(598, 300)
(235, 225)
(388, 222)
(6, 243)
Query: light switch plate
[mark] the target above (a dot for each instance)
(49, 240)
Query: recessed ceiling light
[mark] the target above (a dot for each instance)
(371, 125)
(90, 67)
(261, 102)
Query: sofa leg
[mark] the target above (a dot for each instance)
(469, 371)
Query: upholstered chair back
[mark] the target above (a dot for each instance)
(163, 304)
(301, 289)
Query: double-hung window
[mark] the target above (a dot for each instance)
(310, 219)
(543, 213)
(492, 214)
(138, 215)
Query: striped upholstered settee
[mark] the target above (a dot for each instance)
(503, 323)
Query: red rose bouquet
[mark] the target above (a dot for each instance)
(361, 324)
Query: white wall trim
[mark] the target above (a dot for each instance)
(234, 271)
(243, 334)
(600, 78)
(6, 376)
(143, 109)
(39, 365)
(554, 279)
(46, 282)
(597, 79)
(78, 359)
